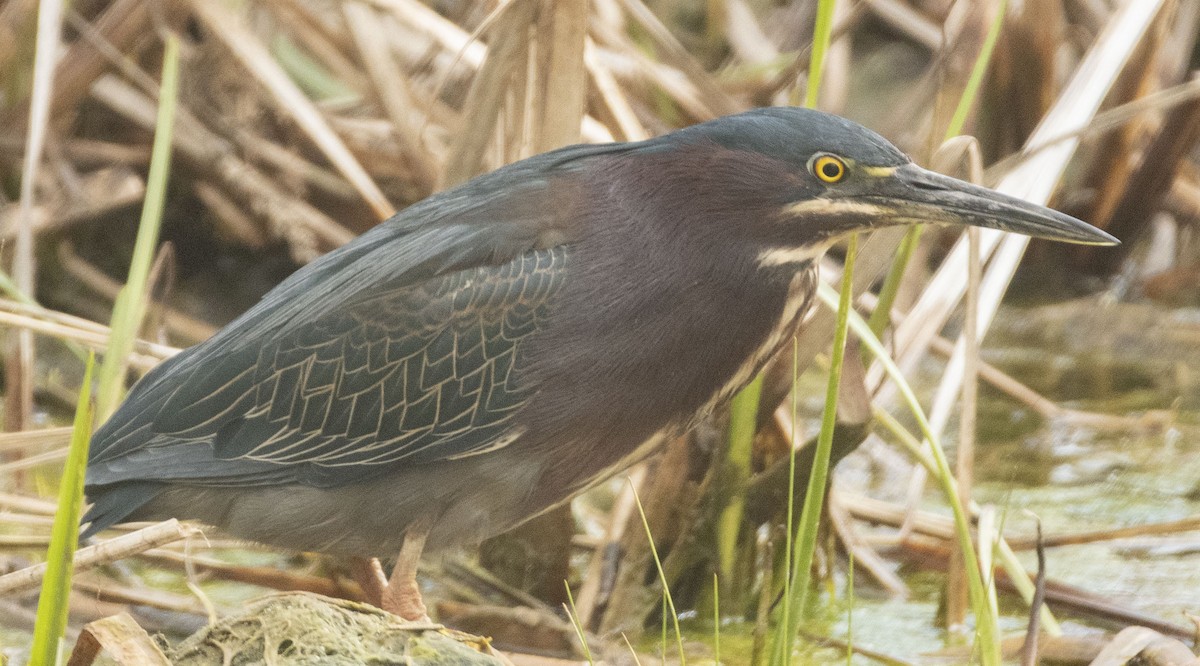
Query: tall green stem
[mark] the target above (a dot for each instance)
(891, 285)
(814, 498)
(130, 307)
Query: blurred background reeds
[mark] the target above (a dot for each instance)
(1066, 374)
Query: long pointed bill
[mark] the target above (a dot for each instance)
(913, 194)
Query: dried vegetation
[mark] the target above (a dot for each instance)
(302, 123)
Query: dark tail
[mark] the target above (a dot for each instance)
(116, 503)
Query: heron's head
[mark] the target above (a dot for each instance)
(840, 177)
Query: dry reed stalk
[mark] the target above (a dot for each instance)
(1191, 524)
(488, 90)
(121, 639)
(105, 589)
(12, 542)
(18, 376)
(617, 112)
(27, 504)
(39, 312)
(560, 100)
(1105, 121)
(31, 461)
(59, 436)
(307, 230)
(965, 151)
(957, 603)
(233, 224)
(667, 508)
(122, 23)
(102, 553)
(98, 193)
(865, 557)
(99, 282)
(1142, 645)
(290, 100)
(394, 91)
(329, 45)
(90, 153)
(42, 523)
(451, 37)
(146, 354)
(1147, 185)
(588, 597)
(517, 120)
(1113, 166)
(909, 22)
(269, 577)
(1033, 180)
(292, 164)
(714, 99)
(749, 43)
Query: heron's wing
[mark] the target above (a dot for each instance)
(398, 347)
(413, 375)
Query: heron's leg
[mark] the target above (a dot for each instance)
(403, 596)
(368, 573)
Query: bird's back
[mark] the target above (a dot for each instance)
(581, 301)
(396, 349)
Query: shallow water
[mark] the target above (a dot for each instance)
(1074, 478)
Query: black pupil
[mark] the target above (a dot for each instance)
(831, 170)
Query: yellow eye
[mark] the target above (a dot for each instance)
(829, 168)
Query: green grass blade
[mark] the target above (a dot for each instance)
(882, 314)
(814, 498)
(822, 33)
(668, 602)
(574, 616)
(796, 584)
(790, 519)
(744, 408)
(850, 611)
(891, 285)
(130, 307)
(986, 621)
(637, 661)
(1008, 559)
(53, 601)
(716, 619)
(743, 421)
(978, 71)
(308, 72)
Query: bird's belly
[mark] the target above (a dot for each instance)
(602, 457)
(466, 501)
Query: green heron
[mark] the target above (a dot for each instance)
(495, 349)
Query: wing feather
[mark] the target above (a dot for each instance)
(399, 347)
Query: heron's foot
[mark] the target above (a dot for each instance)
(368, 573)
(403, 598)
(403, 595)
